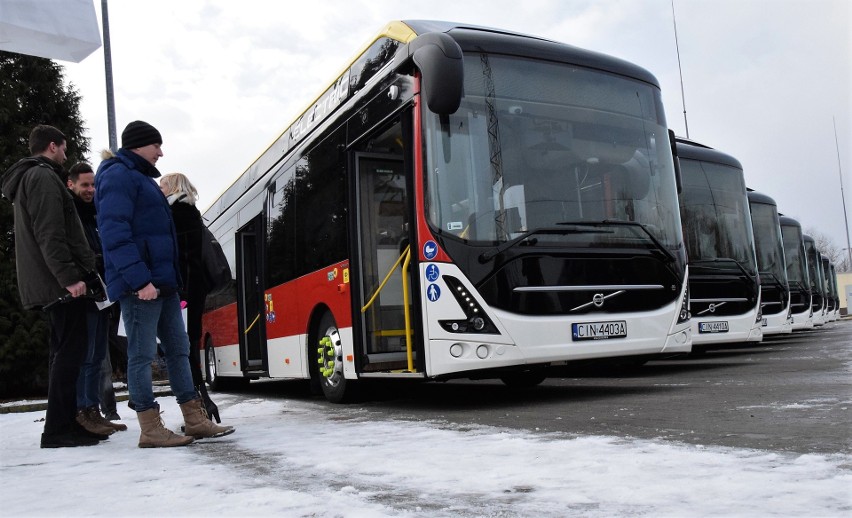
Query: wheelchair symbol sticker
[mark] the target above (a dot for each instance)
(432, 272)
(433, 292)
(430, 250)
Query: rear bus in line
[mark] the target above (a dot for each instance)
(835, 292)
(460, 202)
(724, 285)
(816, 280)
(828, 290)
(771, 264)
(797, 273)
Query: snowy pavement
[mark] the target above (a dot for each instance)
(296, 458)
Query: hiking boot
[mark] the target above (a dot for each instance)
(155, 434)
(84, 420)
(79, 430)
(94, 415)
(70, 439)
(198, 424)
(112, 415)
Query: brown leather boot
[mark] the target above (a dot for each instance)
(95, 416)
(92, 426)
(198, 425)
(154, 432)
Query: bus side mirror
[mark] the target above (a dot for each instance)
(676, 161)
(439, 59)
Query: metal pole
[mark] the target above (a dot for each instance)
(680, 71)
(108, 70)
(842, 197)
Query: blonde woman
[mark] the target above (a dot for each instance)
(182, 195)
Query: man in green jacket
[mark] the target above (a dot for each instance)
(53, 258)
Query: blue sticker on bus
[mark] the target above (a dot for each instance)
(432, 272)
(430, 250)
(433, 292)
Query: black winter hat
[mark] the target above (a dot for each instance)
(139, 134)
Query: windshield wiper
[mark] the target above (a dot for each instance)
(726, 260)
(497, 250)
(775, 280)
(666, 252)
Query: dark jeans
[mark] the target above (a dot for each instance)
(108, 403)
(68, 344)
(145, 321)
(89, 382)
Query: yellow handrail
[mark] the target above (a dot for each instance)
(405, 257)
(405, 253)
(252, 324)
(407, 311)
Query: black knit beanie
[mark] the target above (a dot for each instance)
(139, 134)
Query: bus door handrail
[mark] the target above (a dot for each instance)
(405, 259)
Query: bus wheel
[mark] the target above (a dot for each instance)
(524, 379)
(329, 362)
(210, 371)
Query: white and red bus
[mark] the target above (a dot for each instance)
(460, 202)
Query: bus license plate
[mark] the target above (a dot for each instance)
(599, 330)
(712, 327)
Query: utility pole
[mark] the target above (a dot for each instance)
(108, 72)
(680, 71)
(842, 197)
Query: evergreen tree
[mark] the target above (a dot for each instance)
(33, 92)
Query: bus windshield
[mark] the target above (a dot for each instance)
(537, 145)
(767, 242)
(715, 214)
(794, 253)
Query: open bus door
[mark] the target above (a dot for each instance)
(383, 243)
(250, 293)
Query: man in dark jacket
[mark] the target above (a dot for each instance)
(94, 386)
(141, 263)
(53, 259)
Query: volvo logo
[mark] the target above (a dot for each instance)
(598, 300)
(711, 308)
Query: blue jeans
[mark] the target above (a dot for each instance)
(144, 321)
(89, 380)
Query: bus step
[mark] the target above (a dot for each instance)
(393, 374)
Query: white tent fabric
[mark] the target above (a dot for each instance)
(66, 30)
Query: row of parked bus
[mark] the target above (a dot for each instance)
(753, 273)
(464, 201)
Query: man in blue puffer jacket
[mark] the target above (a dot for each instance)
(141, 263)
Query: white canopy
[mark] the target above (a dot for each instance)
(66, 30)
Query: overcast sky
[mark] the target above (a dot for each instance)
(763, 79)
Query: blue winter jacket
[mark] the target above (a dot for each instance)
(136, 228)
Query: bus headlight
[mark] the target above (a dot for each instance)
(476, 320)
(684, 313)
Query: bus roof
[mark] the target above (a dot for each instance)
(758, 197)
(693, 150)
(787, 221)
(469, 37)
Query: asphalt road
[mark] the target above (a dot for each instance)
(790, 394)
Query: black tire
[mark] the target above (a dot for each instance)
(211, 372)
(326, 352)
(524, 379)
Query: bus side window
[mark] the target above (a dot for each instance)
(281, 230)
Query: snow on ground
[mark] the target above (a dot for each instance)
(299, 459)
